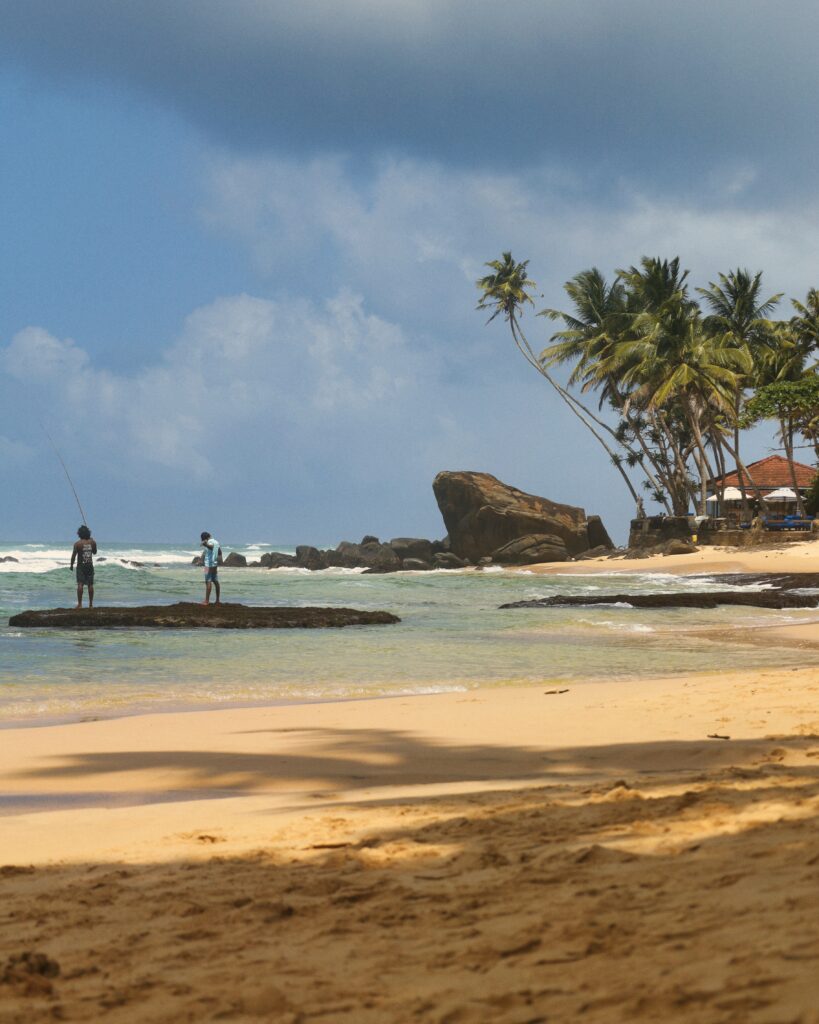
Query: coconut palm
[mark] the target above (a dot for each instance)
(741, 318)
(600, 319)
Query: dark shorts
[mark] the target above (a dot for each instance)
(210, 576)
(85, 575)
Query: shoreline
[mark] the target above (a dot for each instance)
(169, 752)
(598, 850)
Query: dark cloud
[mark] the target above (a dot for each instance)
(664, 92)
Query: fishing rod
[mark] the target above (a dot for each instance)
(67, 474)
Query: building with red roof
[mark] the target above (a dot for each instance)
(769, 474)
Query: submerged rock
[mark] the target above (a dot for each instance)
(185, 615)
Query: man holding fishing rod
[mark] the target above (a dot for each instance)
(83, 553)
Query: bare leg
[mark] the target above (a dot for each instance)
(218, 592)
(91, 595)
(207, 593)
(79, 595)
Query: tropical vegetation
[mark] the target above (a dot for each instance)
(666, 377)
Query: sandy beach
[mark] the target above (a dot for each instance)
(503, 854)
(798, 556)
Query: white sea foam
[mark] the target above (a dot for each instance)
(39, 558)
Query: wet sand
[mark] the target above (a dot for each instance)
(502, 855)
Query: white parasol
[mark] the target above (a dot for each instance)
(729, 494)
(781, 494)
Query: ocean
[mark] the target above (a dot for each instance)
(452, 636)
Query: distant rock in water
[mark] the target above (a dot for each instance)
(9, 558)
(752, 598)
(196, 616)
(235, 560)
(413, 547)
(484, 515)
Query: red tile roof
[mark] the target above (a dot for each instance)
(772, 472)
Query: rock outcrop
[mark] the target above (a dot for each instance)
(483, 515)
(751, 598)
(194, 616)
(9, 558)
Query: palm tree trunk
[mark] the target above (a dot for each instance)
(787, 440)
(528, 354)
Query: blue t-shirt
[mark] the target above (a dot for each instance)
(211, 556)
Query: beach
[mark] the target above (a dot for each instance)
(506, 854)
(612, 846)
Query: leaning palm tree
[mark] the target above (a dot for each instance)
(505, 292)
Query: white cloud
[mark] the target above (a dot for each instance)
(34, 353)
(413, 236)
(242, 366)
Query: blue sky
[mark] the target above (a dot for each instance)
(240, 240)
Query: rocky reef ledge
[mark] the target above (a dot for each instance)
(753, 598)
(185, 615)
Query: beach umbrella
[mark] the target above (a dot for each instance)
(781, 494)
(729, 494)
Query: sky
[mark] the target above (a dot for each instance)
(240, 241)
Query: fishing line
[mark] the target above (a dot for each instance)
(67, 474)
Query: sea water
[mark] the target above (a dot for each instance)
(452, 635)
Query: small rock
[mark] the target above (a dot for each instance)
(446, 560)
(415, 565)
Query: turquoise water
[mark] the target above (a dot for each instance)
(452, 636)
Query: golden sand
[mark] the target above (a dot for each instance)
(503, 855)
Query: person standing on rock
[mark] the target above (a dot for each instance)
(210, 560)
(83, 554)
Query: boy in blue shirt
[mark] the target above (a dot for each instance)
(210, 560)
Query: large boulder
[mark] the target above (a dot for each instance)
(482, 514)
(235, 560)
(533, 548)
(412, 547)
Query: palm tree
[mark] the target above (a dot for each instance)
(672, 361)
(600, 320)
(506, 292)
(741, 318)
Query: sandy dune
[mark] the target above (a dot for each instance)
(503, 855)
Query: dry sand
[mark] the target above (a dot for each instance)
(798, 556)
(503, 856)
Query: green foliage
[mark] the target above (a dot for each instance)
(506, 290)
(796, 400)
(674, 383)
(812, 499)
